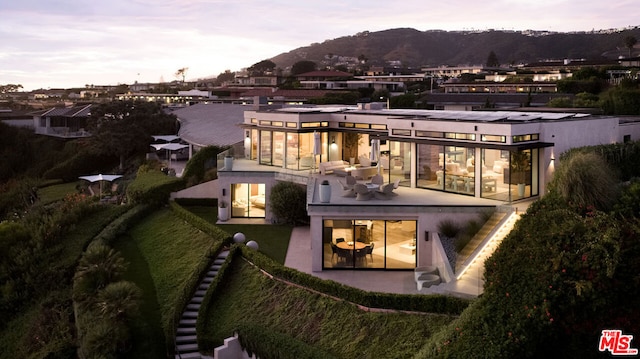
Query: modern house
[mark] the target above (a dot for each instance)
(67, 122)
(447, 165)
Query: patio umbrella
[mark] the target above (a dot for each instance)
(317, 146)
(375, 152)
(101, 178)
(169, 147)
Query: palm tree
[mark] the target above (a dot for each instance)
(98, 266)
(630, 41)
(119, 301)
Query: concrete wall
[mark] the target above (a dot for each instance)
(203, 190)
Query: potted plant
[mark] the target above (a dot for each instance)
(223, 211)
(228, 163)
(520, 168)
(351, 141)
(325, 192)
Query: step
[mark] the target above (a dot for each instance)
(190, 355)
(204, 286)
(186, 339)
(190, 314)
(197, 300)
(185, 322)
(188, 330)
(212, 273)
(218, 261)
(207, 280)
(194, 306)
(182, 348)
(200, 293)
(216, 267)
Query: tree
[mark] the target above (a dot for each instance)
(288, 203)
(119, 300)
(225, 77)
(303, 66)
(124, 128)
(9, 88)
(629, 42)
(99, 266)
(261, 68)
(492, 60)
(182, 73)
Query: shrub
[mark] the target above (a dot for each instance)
(584, 179)
(288, 202)
(202, 166)
(449, 228)
(152, 188)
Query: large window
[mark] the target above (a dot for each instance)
(396, 162)
(369, 244)
(509, 176)
(248, 200)
(265, 148)
(299, 151)
(447, 168)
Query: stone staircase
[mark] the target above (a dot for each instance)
(478, 239)
(186, 340)
(482, 246)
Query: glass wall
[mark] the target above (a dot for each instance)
(278, 148)
(299, 151)
(369, 244)
(510, 176)
(248, 200)
(396, 162)
(447, 168)
(265, 148)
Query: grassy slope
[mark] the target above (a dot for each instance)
(171, 249)
(335, 326)
(63, 256)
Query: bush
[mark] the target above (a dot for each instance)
(288, 203)
(585, 180)
(152, 188)
(202, 166)
(449, 228)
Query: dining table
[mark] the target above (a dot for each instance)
(351, 245)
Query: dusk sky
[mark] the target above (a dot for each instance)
(65, 43)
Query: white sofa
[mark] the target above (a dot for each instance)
(330, 166)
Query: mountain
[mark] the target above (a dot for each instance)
(415, 48)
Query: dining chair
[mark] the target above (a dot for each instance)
(351, 181)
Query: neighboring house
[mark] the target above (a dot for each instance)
(447, 165)
(474, 101)
(67, 122)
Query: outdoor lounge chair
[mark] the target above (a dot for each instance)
(362, 192)
(385, 192)
(377, 179)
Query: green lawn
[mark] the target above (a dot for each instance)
(147, 331)
(169, 249)
(56, 192)
(273, 240)
(335, 326)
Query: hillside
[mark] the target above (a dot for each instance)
(434, 48)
